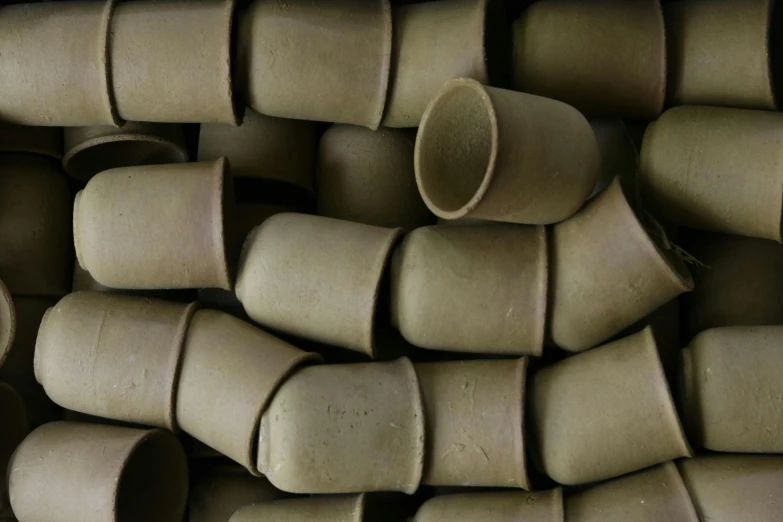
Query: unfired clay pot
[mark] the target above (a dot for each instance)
(604, 413)
(229, 371)
(24, 139)
(724, 53)
(607, 58)
(367, 176)
(171, 60)
(337, 508)
(68, 471)
(157, 227)
(13, 429)
(90, 150)
(619, 155)
(55, 62)
(217, 493)
(315, 277)
(731, 389)
(732, 163)
(331, 60)
(7, 322)
(502, 155)
(345, 428)
(507, 506)
(478, 288)
(113, 356)
(730, 488)
(607, 272)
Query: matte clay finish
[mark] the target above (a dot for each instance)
(229, 371)
(113, 356)
(45, 141)
(542, 506)
(13, 420)
(480, 288)
(367, 176)
(733, 166)
(490, 153)
(345, 428)
(331, 60)
(171, 60)
(731, 389)
(35, 232)
(157, 227)
(619, 155)
(264, 147)
(343, 508)
(90, 150)
(94, 473)
(55, 63)
(719, 58)
(604, 413)
(607, 273)
(7, 322)
(217, 494)
(315, 277)
(475, 413)
(607, 58)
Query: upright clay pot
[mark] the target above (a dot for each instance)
(13, 429)
(25, 139)
(331, 60)
(217, 493)
(90, 150)
(7, 322)
(55, 62)
(607, 58)
(507, 506)
(479, 288)
(337, 508)
(229, 371)
(95, 473)
(315, 277)
(731, 161)
(345, 428)
(489, 153)
(171, 60)
(607, 272)
(724, 53)
(113, 356)
(157, 227)
(605, 413)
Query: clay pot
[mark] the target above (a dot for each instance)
(367, 176)
(171, 61)
(35, 205)
(24, 139)
(222, 393)
(619, 155)
(724, 53)
(130, 233)
(494, 154)
(13, 420)
(607, 272)
(506, 506)
(218, 493)
(478, 288)
(55, 61)
(113, 356)
(90, 150)
(338, 508)
(607, 58)
(96, 473)
(7, 322)
(345, 428)
(604, 413)
(733, 165)
(331, 60)
(315, 277)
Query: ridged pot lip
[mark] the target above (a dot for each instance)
(7, 322)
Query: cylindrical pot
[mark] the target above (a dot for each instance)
(724, 53)
(607, 58)
(113, 356)
(345, 428)
(337, 508)
(157, 227)
(607, 272)
(478, 288)
(475, 413)
(90, 150)
(171, 61)
(605, 413)
(315, 277)
(730, 382)
(619, 155)
(331, 60)
(494, 154)
(55, 62)
(67, 471)
(217, 493)
(222, 393)
(732, 163)
(13, 429)
(7, 322)
(507, 506)
(24, 139)
(35, 232)
(367, 176)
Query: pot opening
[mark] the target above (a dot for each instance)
(775, 49)
(89, 161)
